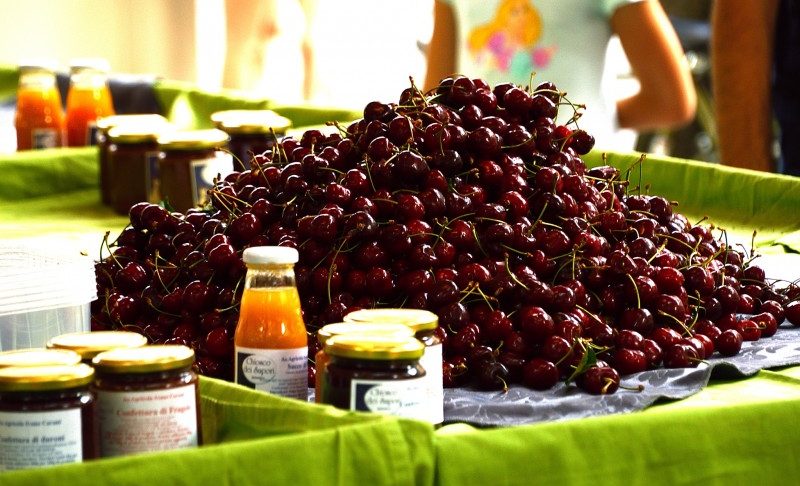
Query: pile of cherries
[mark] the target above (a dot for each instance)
(472, 202)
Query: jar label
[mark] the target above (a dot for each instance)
(35, 439)
(91, 133)
(152, 179)
(282, 372)
(402, 398)
(431, 361)
(203, 173)
(44, 138)
(151, 420)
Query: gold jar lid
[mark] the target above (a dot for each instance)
(108, 122)
(38, 357)
(251, 121)
(90, 344)
(416, 319)
(147, 359)
(211, 138)
(374, 347)
(44, 378)
(129, 133)
(339, 328)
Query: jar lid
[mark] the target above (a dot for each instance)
(37, 65)
(149, 119)
(250, 121)
(270, 255)
(90, 64)
(136, 132)
(147, 359)
(339, 328)
(211, 138)
(45, 378)
(38, 357)
(374, 347)
(90, 344)
(416, 319)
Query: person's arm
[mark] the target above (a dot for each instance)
(666, 97)
(442, 48)
(742, 36)
(248, 23)
(310, 10)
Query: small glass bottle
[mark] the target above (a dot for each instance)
(321, 359)
(376, 373)
(88, 99)
(147, 399)
(46, 416)
(190, 160)
(271, 344)
(424, 324)
(39, 118)
(252, 132)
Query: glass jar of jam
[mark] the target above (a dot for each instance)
(189, 163)
(376, 373)
(133, 156)
(252, 132)
(424, 324)
(89, 344)
(46, 416)
(39, 357)
(39, 117)
(147, 399)
(88, 99)
(321, 358)
(103, 126)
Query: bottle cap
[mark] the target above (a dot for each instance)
(416, 319)
(146, 359)
(45, 378)
(89, 63)
(90, 344)
(374, 347)
(270, 255)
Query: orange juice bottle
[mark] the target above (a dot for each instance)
(88, 99)
(39, 118)
(271, 345)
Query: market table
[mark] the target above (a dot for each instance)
(734, 431)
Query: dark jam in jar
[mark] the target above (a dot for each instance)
(103, 143)
(252, 132)
(147, 399)
(133, 155)
(321, 358)
(424, 324)
(90, 344)
(376, 373)
(189, 163)
(46, 416)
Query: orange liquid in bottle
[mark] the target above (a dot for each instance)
(39, 119)
(270, 318)
(85, 104)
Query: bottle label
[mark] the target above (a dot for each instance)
(35, 439)
(401, 398)
(44, 138)
(91, 133)
(279, 371)
(204, 171)
(152, 420)
(152, 180)
(431, 361)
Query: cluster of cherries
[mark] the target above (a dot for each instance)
(469, 201)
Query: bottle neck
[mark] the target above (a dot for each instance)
(266, 276)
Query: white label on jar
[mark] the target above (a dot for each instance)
(151, 420)
(35, 439)
(204, 171)
(281, 372)
(431, 361)
(44, 138)
(401, 398)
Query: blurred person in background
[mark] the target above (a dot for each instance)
(755, 61)
(566, 42)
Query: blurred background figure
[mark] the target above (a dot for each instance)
(755, 53)
(567, 42)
